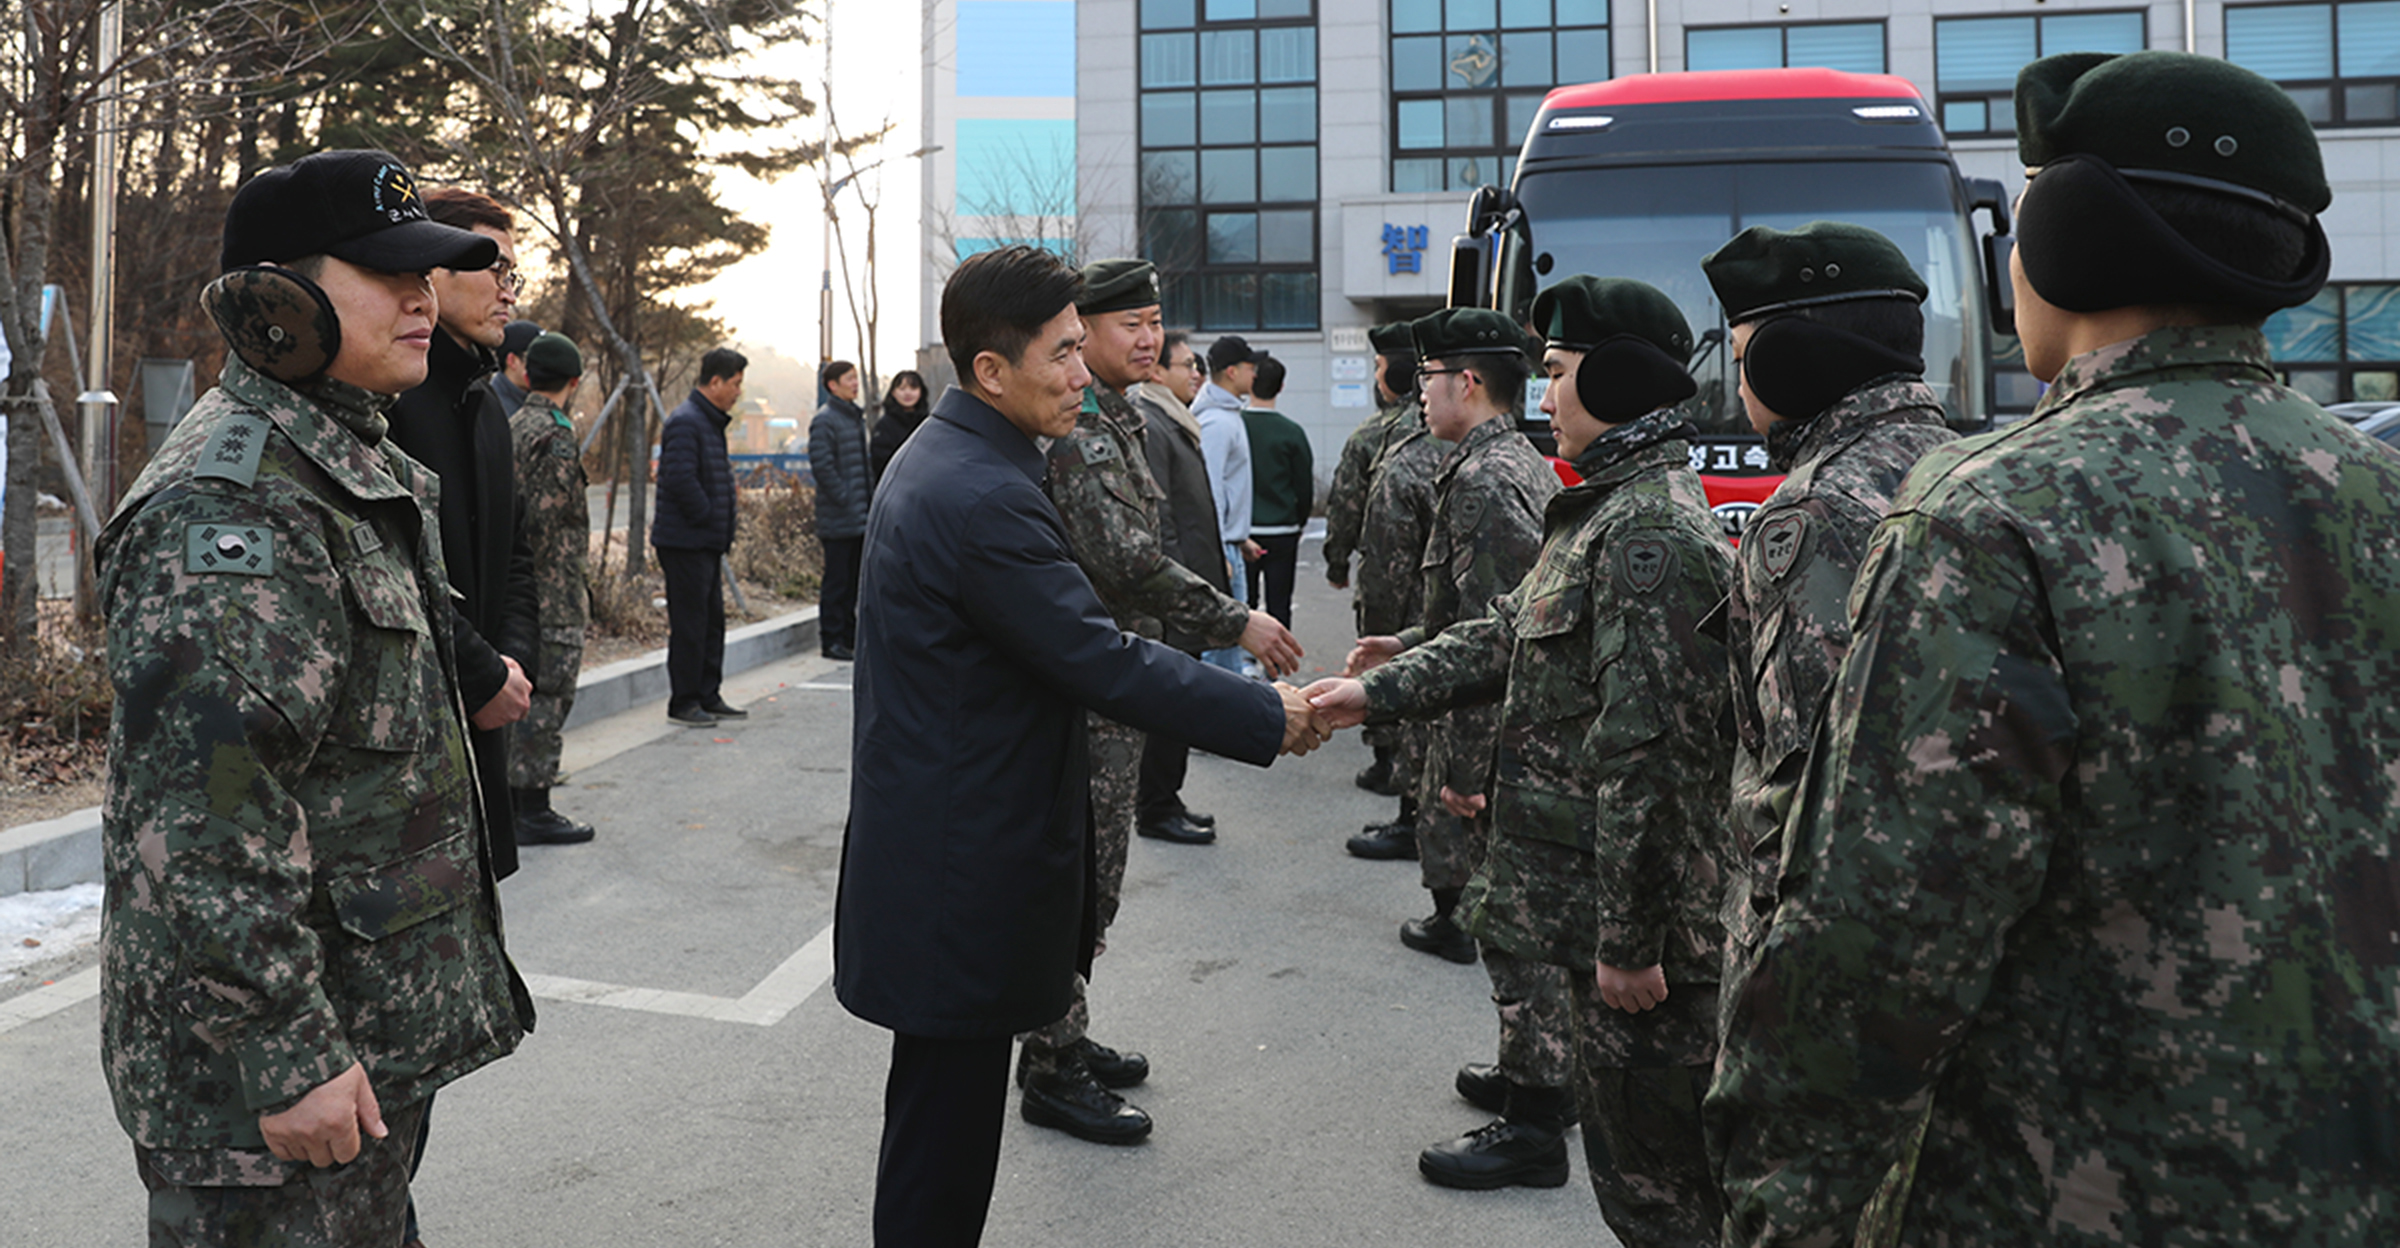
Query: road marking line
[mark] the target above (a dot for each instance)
(827, 687)
(783, 990)
(45, 1001)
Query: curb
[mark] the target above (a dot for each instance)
(57, 853)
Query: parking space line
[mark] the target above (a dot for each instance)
(781, 992)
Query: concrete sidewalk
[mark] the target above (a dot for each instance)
(57, 853)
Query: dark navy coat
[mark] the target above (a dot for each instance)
(964, 908)
(695, 480)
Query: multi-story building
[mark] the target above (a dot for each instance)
(1299, 166)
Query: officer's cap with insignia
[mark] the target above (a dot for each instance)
(1117, 286)
(1465, 331)
(553, 355)
(1634, 340)
(2105, 137)
(359, 206)
(1764, 270)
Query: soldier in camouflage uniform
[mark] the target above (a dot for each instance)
(558, 526)
(1485, 533)
(1829, 337)
(1346, 533)
(301, 936)
(1100, 483)
(1391, 598)
(2092, 871)
(1608, 816)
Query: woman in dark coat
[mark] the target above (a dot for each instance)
(904, 407)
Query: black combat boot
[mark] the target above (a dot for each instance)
(1376, 777)
(1440, 934)
(1061, 1093)
(1485, 1088)
(1111, 1068)
(1524, 1147)
(537, 824)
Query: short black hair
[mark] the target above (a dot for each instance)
(310, 266)
(460, 208)
(999, 299)
(1269, 381)
(1166, 347)
(1895, 323)
(722, 362)
(835, 371)
(538, 380)
(1503, 373)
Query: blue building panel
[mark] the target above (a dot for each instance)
(1016, 48)
(1015, 168)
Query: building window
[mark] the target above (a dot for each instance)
(1468, 75)
(2340, 61)
(1853, 46)
(1229, 160)
(2342, 346)
(1976, 59)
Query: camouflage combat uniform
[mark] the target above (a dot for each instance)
(1346, 498)
(558, 525)
(1393, 509)
(2095, 855)
(1100, 483)
(1787, 621)
(1486, 528)
(296, 874)
(1607, 814)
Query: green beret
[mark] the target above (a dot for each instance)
(553, 355)
(2193, 119)
(1584, 311)
(1767, 270)
(1391, 338)
(1465, 331)
(1116, 286)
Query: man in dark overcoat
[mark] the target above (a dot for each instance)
(965, 911)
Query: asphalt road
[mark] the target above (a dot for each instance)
(693, 1082)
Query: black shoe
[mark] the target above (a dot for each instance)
(1386, 841)
(1111, 1068)
(1441, 936)
(1198, 819)
(548, 827)
(1069, 1099)
(1177, 831)
(690, 716)
(1376, 778)
(1485, 1088)
(1499, 1153)
(722, 709)
(839, 653)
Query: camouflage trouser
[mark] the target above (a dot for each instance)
(1537, 1032)
(1408, 757)
(1116, 769)
(533, 742)
(360, 1205)
(1641, 1138)
(1448, 847)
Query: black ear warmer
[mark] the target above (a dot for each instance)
(277, 321)
(2089, 242)
(1799, 367)
(1627, 377)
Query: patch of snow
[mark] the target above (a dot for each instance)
(59, 921)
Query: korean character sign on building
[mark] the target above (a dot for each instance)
(1404, 248)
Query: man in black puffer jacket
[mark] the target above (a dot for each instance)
(837, 458)
(692, 532)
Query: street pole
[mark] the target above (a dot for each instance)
(98, 402)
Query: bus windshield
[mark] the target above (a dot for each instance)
(1655, 223)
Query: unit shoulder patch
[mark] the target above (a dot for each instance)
(1645, 563)
(1097, 450)
(238, 549)
(1779, 542)
(231, 453)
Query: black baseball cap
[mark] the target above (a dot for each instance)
(518, 336)
(361, 206)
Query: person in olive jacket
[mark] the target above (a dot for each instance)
(692, 532)
(837, 458)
